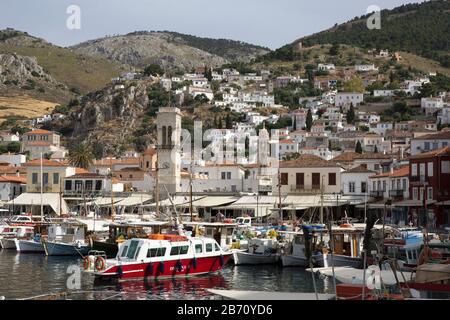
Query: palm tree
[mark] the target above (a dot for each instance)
(81, 156)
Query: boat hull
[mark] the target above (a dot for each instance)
(338, 261)
(29, 246)
(64, 249)
(293, 261)
(166, 269)
(110, 249)
(8, 243)
(243, 258)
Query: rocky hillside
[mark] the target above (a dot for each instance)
(168, 49)
(109, 118)
(78, 73)
(24, 76)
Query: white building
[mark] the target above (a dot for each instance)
(365, 67)
(383, 93)
(16, 160)
(444, 116)
(326, 67)
(430, 142)
(431, 105)
(346, 98)
(355, 181)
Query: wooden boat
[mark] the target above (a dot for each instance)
(161, 256)
(260, 251)
(431, 277)
(66, 239)
(12, 233)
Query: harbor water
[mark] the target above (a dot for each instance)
(27, 275)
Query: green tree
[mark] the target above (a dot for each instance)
(81, 156)
(351, 114)
(153, 70)
(355, 84)
(309, 120)
(334, 50)
(13, 147)
(358, 148)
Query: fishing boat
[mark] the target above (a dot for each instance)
(294, 253)
(160, 256)
(346, 240)
(33, 245)
(66, 239)
(260, 251)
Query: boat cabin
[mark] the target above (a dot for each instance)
(221, 232)
(119, 232)
(146, 250)
(66, 233)
(247, 221)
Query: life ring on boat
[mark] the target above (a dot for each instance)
(100, 263)
(86, 263)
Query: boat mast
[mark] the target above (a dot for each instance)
(113, 214)
(191, 209)
(42, 188)
(157, 188)
(321, 202)
(280, 212)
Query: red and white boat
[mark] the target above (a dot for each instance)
(160, 256)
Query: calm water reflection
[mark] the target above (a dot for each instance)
(25, 275)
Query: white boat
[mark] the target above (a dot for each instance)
(11, 233)
(260, 251)
(29, 246)
(66, 239)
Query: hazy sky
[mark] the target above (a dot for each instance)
(270, 23)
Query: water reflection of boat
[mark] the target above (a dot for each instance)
(179, 287)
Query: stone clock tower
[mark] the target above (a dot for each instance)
(169, 150)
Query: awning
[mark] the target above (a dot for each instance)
(52, 200)
(177, 201)
(412, 203)
(103, 201)
(214, 201)
(443, 203)
(134, 200)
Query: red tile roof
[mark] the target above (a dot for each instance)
(307, 160)
(45, 163)
(433, 153)
(38, 131)
(13, 179)
(402, 172)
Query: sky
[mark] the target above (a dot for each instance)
(270, 23)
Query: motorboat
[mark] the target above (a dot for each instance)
(12, 233)
(294, 253)
(260, 251)
(66, 239)
(33, 245)
(119, 232)
(159, 256)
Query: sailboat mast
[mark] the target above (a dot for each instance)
(321, 202)
(113, 214)
(191, 209)
(279, 195)
(157, 188)
(42, 189)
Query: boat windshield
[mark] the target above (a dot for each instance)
(132, 249)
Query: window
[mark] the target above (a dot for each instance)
(198, 248)
(376, 167)
(209, 247)
(179, 250)
(132, 250)
(316, 180)
(34, 178)
(45, 178)
(384, 185)
(404, 184)
(426, 146)
(229, 175)
(421, 193)
(98, 185)
(124, 252)
(414, 169)
(444, 144)
(445, 167)
(430, 193)
(88, 185)
(332, 179)
(216, 247)
(415, 194)
(374, 187)
(56, 178)
(351, 187)
(300, 180)
(223, 176)
(435, 145)
(430, 169)
(284, 179)
(363, 187)
(422, 169)
(156, 252)
(68, 185)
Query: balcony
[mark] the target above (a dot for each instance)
(377, 194)
(396, 193)
(305, 189)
